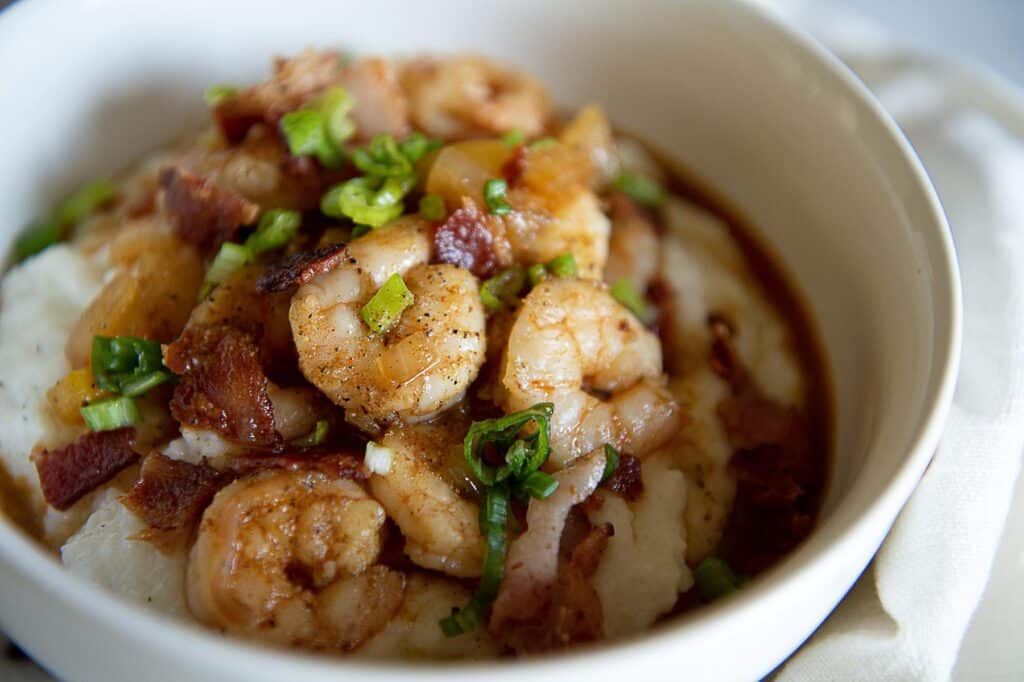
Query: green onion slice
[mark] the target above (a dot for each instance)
(315, 437)
(432, 207)
(494, 196)
(84, 202)
(358, 231)
(231, 258)
(500, 433)
(382, 158)
(418, 145)
(110, 414)
(543, 143)
(540, 485)
(503, 288)
(513, 138)
(611, 462)
(216, 95)
(536, 273)
(563, 266)
(128, 365)
(335, 107)
(384, 309)
(625, 293)
(367, 201)
(715, 578)
(640, 188)
(37, 238)
(305, 131)
(277, 227)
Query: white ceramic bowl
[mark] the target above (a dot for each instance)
(762, 114)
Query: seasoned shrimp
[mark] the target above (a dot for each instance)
(578, 227)
(290, 557)
(633, 250)
(572, 338)
(441, 529)
(468, 96)
(421, 366)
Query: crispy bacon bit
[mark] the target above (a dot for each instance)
(222, 387)
(514, 169)
(627, 481)
(724, 360)
(67, 474)
(300, 268)
(205, 214)
(470, 240)
(171, 494)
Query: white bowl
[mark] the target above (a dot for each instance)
(763, 115)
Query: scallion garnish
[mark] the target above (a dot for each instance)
(494, 196)
(228, 260)
(432, 207)
(418, 145)
(562, 266)
(542, 143)
(276, 228)
(523, 451)
(72, 210)
(611, 462)
(640, 188)
(305, 131)
(371, 201)
(335, 106)
(358, 231)
(503, 288)
(715, 578)
(382, 158)
(218, 94)
(513, 138)
(536, 273)
(110, 414)
(625, 293)
(315, 437)
(384, 309)
(127, 365)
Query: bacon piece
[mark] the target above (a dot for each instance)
(223, 386)
(171, 494)
(300, 268)
(724, 358)
(470, 239)
(627, 481)
(67, 474)
(205, 214)
(514, 169)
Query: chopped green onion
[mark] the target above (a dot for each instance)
(715, 578)
(335, 106)
(513, 138)
(640, 188)
(126, 364)
(502, 432)
(306, 133)
(366, 201)
(494, 195)
(611, 462)
(315, 437)
(358, 231)
(146, 382)
(543, 143)
(537, 273)
(218, 94)
(84, 202)
(418, 145)
(503, 288)
(110, 414)
(385, 307)
(382, 158)
(625, 293)
(277, 227)
(540, 485)
(228, 260)
(432, 207)
(36, 238)
(563, 266)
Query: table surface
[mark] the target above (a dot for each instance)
(987, 31)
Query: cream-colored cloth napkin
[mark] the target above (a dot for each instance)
(906, 617)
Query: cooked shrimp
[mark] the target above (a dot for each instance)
(290, 557)
(441, 529)
(633, 250)
(421, 366)
(571, 338)
(578, 227)
(468, 96)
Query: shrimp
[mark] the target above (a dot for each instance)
(441, 529)
(578, 226)
(290, 557)
(571, 339)
(420, 367)
(633, 250)
(468, 96)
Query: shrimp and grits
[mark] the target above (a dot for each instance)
(393, 361)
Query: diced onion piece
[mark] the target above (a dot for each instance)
(378, 459)
(461, 169)
(384, 309)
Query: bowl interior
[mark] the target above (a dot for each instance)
(760, 116)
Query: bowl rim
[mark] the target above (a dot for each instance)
(180, 638)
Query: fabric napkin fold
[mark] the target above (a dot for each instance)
(906, 617)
